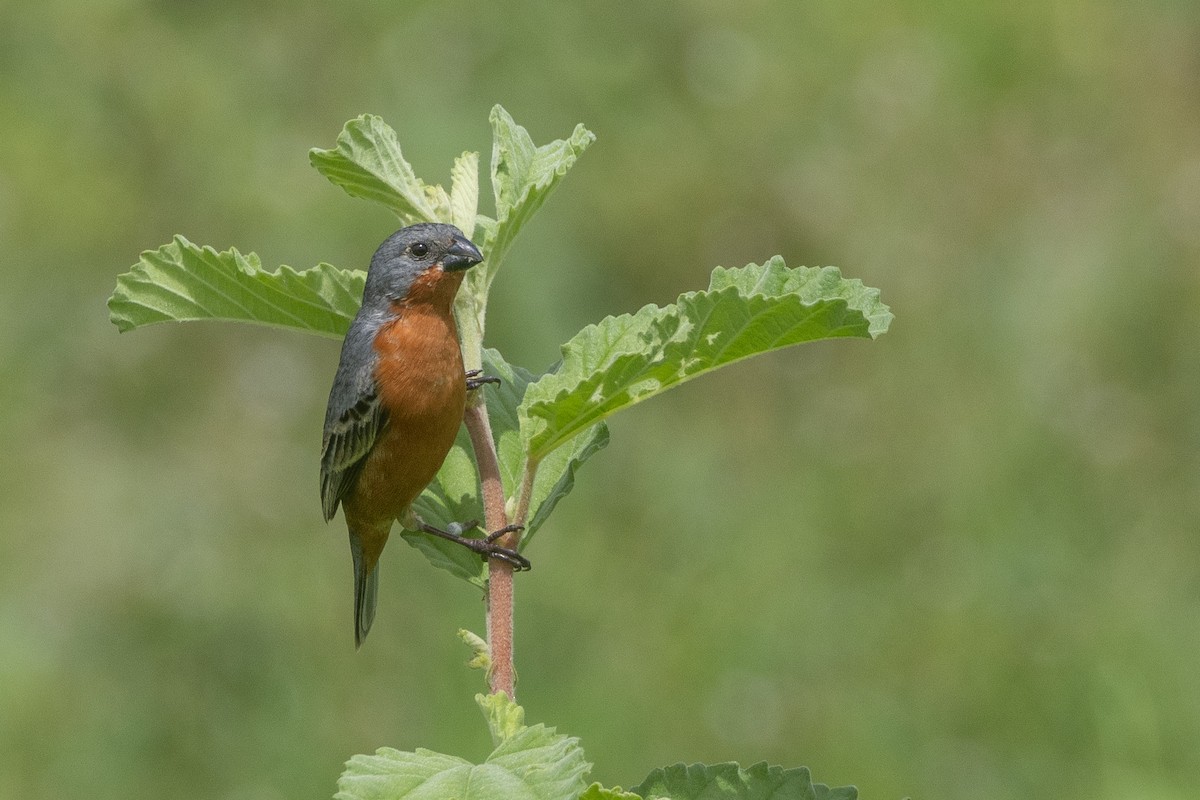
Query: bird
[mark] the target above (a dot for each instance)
(397, 400)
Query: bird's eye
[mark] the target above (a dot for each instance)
(420, 249)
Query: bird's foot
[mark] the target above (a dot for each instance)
(486, 546)
(494, 535)
(476, 378)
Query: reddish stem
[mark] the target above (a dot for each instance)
(499, 594)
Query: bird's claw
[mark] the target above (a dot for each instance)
(476, 378)
(486, 547)
(519, 562)
(489, 549)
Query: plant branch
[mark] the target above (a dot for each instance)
(521, 513)
(499, 595)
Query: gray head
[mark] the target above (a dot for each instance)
(427, 247)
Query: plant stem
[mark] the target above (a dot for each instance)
(521, 513)
(499, 595)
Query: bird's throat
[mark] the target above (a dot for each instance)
(433, 288)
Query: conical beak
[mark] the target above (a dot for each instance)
(461, 255)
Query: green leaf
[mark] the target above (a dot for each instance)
(366, 162)
(731, 782)
(523, 176)
(464, 192)
(182, 281)
(454, 495)
(533, 763)
(556, 475)
(481, 657)
(549, 765)
(598, 792)
(624, 360)
(504, 717)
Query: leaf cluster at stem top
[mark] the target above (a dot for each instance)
(545, 426)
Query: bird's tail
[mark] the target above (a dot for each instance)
(366, 589)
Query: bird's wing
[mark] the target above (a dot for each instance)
(348, 438)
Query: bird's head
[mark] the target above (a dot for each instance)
(422, 263)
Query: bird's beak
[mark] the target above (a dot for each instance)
(461, 255)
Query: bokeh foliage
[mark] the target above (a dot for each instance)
(961, 562)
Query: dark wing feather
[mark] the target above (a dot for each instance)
(347, 441)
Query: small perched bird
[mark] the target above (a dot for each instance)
(397, 400)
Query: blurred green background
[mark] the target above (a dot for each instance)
(958, 562)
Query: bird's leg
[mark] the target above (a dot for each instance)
(486, 546)
(476, 378)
